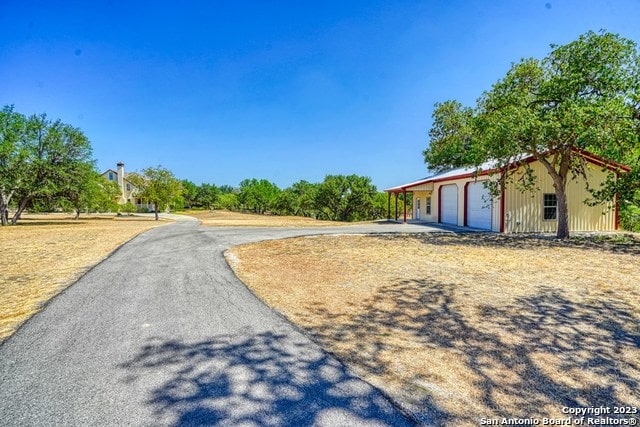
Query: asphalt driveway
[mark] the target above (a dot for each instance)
(163, 333)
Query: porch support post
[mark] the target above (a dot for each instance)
(396, 206)
(405, 206)
(388, 206)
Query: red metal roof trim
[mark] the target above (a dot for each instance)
(592, 158)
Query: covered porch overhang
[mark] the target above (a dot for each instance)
(405, 190)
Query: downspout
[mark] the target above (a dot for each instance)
(617, 212)
(439, 204)
(502, 212)
(466, 202)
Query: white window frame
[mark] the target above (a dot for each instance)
(548, 205)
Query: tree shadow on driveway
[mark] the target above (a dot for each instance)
(268, 378)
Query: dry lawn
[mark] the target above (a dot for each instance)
(43, 254)
(238, 219)
(461, 327)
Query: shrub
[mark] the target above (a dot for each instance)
(630, 218)
(128, 207)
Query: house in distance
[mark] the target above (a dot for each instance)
(128, 191)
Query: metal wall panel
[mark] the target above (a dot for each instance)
(524, 211)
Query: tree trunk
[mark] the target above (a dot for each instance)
(21, 209)
(560, 184)
(563, 213)
(77, 214)
(3, 212)
(4, 207)
(560, 178)
(155, 209)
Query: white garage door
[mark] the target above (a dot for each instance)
(478, 206)
(449, 204)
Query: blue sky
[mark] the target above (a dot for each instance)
(219, 91)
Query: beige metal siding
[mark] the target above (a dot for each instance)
(422, 187)
(423, 196)
(524, 211)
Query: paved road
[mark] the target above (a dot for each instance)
(162, 333)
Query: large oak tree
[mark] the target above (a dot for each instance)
(583, 96)
(40, 161)
(345, 197)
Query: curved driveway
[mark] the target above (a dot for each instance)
(163, 333)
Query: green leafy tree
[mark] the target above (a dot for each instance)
(630, 218)
(345, 198)
(582, 96)
(305, 193)
(207, 196)
(257, 195)
(189, 193)
(285, 203)
(381, 203)
(12, 157)
(158, 185)
(451, 137)
(228, 201)
(85, 189)
(105, 195)
(56, 154)
(299, 200)
(626, 188)
(226, 189)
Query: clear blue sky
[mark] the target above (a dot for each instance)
(218, 91)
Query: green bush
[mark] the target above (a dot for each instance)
(128, 208)
(630, 218)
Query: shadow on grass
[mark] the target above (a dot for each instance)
(616, 243)
(37, 223)
(254, 379)
(541, 353)
(62, 220)
(81, 221)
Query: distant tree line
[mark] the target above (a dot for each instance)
(337, 198)
(46, 165)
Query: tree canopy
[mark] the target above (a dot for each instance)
(88, 190)
(346, 198)
(158, 185)
(257, 195)
(583, 96)
(46, 165)
(40, 161)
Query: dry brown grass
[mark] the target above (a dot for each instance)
(43, 254)
(458, 328)
(238, 219)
